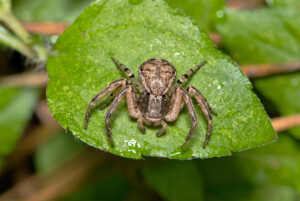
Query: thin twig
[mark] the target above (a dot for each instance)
(284, 123)
(216, 38)
(46, 28)
(31, 79)
(257, 71)
(245, 5)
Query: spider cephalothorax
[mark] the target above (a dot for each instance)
(156, 100)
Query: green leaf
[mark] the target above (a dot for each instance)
(264, 36)
(203, 12)
(267, 173)
(294, 4)
(5, 5)
(83, 68)
(56, 150)
(16, 107)
(175, 180)
(44, 10)
(114, 188)
(284, 92)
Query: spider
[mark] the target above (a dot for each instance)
(156, 100)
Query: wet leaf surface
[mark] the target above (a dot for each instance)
(82, 67)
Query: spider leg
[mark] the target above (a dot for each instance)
(131, 76)
(109, 99)
(112, 86)
(140, 123)
(111, 110)
(163, 129)
(206, 109)
(189, 103)
(184, 77)
(176, 106)
(133, 108)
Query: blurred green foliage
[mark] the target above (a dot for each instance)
(175, 180)
(284, 92)
(269, 35)
(16, 107)
(204, 12)
(45, 10)
(294, 4)
(114, 188)
(55, 151)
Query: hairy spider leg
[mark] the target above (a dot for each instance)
(163, 129)
(131, 104)
(189, 103)
(110, 98)
(176, 105)
(131, 76)
(112, 86)
(206, 109)
(110, 111)
(184, 77)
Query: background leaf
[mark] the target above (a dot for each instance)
(203, 12)
(124, 30)
(114, 188)
(264, 36)
(16, 107)
(268, 36)
(260, 174)
(284, 92)
(291, 4)
(54, 10)
(56, 150)
(175, 180)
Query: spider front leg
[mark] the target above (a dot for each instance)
(131, 104)
(176, 105)
(110, 98)
(206, 109)
(130, 75)
(112, 86)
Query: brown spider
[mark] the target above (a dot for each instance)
(159, 100)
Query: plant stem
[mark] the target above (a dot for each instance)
(257, 71)
(11, 41)
(22, 40)
(284, 123)
(13, 24)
